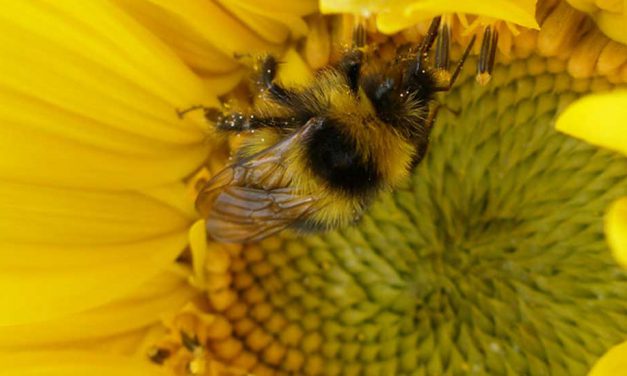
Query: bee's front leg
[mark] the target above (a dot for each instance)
(277, 93)
(239, 122)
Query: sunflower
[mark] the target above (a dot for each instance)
(491, 259)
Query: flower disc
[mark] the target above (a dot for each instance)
(490, 260)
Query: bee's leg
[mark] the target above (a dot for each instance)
(210, 112)
(239, 122)
(277, 92)
(422, 146)
(433, 113)
(350, 66)
(422, 142)
(416, 77)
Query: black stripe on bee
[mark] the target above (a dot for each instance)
(333, 156)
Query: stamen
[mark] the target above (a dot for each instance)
(158, 355)
(487, 55)
(458, 68)
(442, 48)
(190, 343)
(359, 34)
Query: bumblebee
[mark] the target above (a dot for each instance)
(316, 156)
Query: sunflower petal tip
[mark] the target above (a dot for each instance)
(597, 119)
(612, 362)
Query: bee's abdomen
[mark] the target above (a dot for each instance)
(333, 157)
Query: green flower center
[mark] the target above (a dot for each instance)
(489, 260)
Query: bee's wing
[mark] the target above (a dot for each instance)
(252, 199)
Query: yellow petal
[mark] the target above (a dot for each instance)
(189, 44)
(164, 294)
(224, 83)
(42, 282)
(91, 95)
(176, 196)
(295, 71)
(204, 33)
(395, 16)
(82, 44)
(599, 119)
(280, 16)
(355, 6)
(198, 248)
(274, 9)
(267, 28)
(613, 362)
(46, 215)
(616, 230)
(34, 156)
(244, 25)
(75, 363)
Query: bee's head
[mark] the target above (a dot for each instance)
(400, 97)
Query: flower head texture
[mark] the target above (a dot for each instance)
(504, 253)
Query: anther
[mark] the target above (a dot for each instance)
(158, 355)
(359, 34)
(487, 55)
(442, 47)
(190, 343)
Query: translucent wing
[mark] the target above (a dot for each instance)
(252, 198)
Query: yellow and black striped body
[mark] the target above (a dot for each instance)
(315, 156)
(355, 154)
